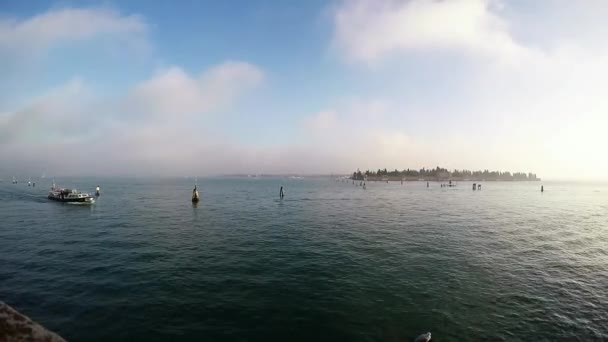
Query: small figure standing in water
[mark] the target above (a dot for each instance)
(97, 193)
(364, 186)
(542, 189)
(427, 184)
(34, 184)
(424, 337)
(281, 194)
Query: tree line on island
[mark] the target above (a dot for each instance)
(440, 174)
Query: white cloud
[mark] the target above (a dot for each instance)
(524, 108)
(66, 24)
(353, 135)
(136, 133)
(321, 121)
(56, 113)
(173, 91)
(527, 106)
(368, 30)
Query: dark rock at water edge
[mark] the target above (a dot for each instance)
(15, 327)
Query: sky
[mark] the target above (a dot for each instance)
(307, 87)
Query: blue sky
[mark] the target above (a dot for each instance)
(210, 87)
(194, 35)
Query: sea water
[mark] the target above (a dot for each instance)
(329, 262)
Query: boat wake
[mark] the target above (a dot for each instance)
(81, 203)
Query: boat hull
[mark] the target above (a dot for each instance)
(82, 200)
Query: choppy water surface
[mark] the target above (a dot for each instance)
(330, 262)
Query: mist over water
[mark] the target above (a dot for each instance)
(330, 262)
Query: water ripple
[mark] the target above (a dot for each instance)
(330, 262)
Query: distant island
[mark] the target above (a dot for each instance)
(441, 174)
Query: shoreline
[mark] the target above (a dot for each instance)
(437, 179)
